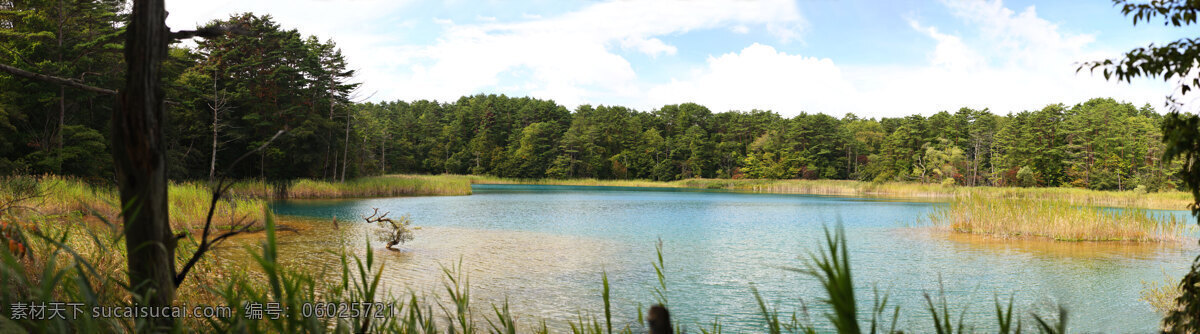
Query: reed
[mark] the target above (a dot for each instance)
(1056, 219)
(1168, 200)
(188, 203)
(378, 186)
(480, 179)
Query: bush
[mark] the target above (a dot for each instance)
(1026, 177)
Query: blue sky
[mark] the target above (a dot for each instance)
(872, 58)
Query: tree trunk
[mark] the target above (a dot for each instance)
(62, 92)
(139, 157)
(346, 149)
(975, 165)
(383, 152)
(217, 105)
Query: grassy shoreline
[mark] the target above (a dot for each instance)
(1174, 200)
(375, 186)
(72, 199)
(1058, 220)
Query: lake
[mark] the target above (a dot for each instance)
(543, 248)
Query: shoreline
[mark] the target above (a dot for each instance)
(1175, 200)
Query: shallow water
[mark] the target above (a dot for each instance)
(544, 247)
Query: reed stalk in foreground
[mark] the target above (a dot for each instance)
(1056, 219)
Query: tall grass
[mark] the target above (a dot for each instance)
(483, 179)
(379, 186)
(71, 197)
(1170, 200)
(1056, 219)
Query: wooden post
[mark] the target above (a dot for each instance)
(139, 158)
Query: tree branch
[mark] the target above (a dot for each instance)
(55, 80)
(219, 189)
(209, 32)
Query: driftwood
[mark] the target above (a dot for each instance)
(396, 232)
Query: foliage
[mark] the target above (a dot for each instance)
(1161, 295)
(232, 93)
(1175, 60)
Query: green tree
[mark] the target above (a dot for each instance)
(1181, 132)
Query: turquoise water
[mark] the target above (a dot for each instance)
(543, 249)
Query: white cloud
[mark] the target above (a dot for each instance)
(573, 58)
(650, 46)
(1005, 60)
(951, 52)
(1015, 62)
(760, 77)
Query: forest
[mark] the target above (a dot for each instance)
(227, 96)
(261, 103)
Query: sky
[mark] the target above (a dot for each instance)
(870, 58)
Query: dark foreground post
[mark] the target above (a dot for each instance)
(659, 320)
(139, 158)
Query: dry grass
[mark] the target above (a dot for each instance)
(70, 197)
(1171, 200)
(379, 186)
(1056, 219)
(476, 179)
(85, 219)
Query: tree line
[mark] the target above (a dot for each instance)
(1098, 144)
(227, 96)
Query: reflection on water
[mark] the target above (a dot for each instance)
(543, 247)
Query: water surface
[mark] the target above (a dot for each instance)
(544, 247)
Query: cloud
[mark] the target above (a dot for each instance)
(760, 77)
(1003, 59)
(1011, 62)
(950, 52)
(650, 46)
(575, 57)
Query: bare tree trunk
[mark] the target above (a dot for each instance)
(346, 149)
(139, 156)
(62, 116)
(217, 106)
(383, 152)
(329, 139)
(212, 166)
(975, 165)
(62, 91)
